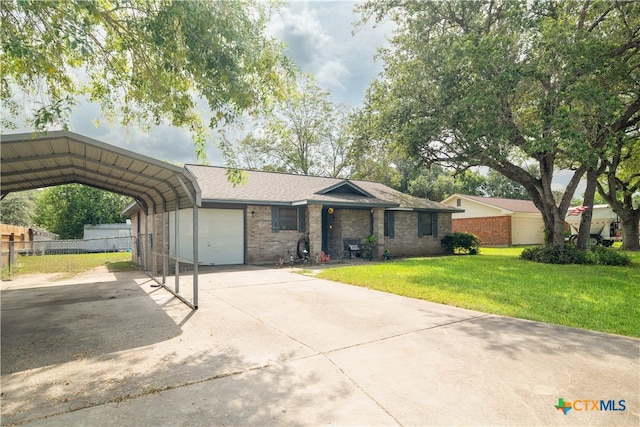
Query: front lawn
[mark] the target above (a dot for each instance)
(600, 298)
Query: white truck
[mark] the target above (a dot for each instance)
(605, 225)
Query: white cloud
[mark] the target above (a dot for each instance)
(319, 40)
(332, 73)
(304, 36)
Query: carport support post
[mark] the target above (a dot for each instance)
(165, 242)
(154, 233)
(145, 260)
(195, 255)
(176, 244)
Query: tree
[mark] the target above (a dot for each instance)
(143, 61)
(437, 183)
(65, 209)
(391, 165)
(18, 208)
(304, 134)
(506, 83)
(471, 183)
(620, 185)
(497, 185)
(433, 184)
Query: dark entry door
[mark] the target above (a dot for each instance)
(325, 230)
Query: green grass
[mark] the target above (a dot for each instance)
(70, 265)
(599, 298)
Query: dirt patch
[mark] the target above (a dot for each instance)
(27, 280)
(43, 279)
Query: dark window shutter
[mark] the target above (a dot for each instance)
(302, 223)
(392, 224)
(435, 224)
(420, 228)
(275, 219)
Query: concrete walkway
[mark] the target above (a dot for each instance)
(270, 347)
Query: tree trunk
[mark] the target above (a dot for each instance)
(624, 209)
(553, 226)
(554, 222)
(558, 231)
(585, 223)
(630, 233)
(542, 195)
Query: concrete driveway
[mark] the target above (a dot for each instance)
(271, 347)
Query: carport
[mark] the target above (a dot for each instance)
(38, 160)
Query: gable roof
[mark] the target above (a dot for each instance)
(271, 188)
(345, 187)
(510, 205)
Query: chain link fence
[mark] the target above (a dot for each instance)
(11, 249)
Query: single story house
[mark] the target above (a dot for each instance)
(497, 221)
(272, 216)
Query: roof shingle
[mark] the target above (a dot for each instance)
(288, 189)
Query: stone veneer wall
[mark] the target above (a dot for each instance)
(264, 245)
(347, 224)
(406, 242)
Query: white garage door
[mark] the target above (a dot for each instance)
(527, 230)
(220, 235)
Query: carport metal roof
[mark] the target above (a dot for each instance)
(36, 160)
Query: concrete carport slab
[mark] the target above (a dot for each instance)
(270, 347)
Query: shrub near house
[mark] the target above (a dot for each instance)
(570, 254)
(461, 243)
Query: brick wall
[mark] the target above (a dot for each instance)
(347, 224)
(314, 228)
(265, 246)
(492, 231)
(406, 242)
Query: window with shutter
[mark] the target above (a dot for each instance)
(389, 224)
(425, 224)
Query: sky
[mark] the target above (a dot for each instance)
(320, 41)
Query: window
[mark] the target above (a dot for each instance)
(287, 219)
(427, 224)
(389, 224)
(458, 202)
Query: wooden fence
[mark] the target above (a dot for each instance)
(14, 240)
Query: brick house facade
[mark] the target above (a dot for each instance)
(497, 221)
(272, 216)
(492, 231)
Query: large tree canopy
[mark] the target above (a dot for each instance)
(508, 85)
(66, 209)
(305, 133)
(18, 208)
(143, 61)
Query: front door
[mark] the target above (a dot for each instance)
(325, 230)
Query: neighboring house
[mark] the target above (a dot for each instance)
(496, 221)
(272, 215)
